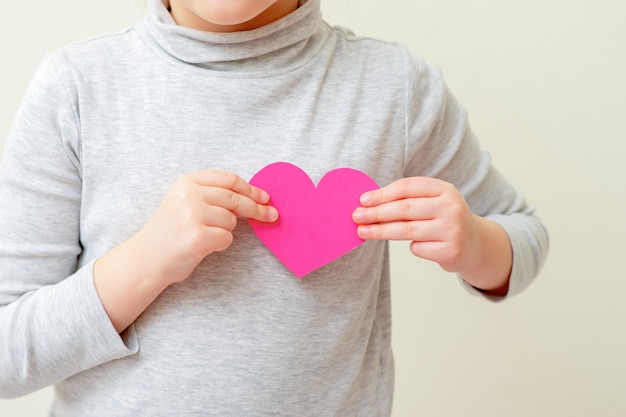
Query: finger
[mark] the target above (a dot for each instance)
(403, 188)
(433, 251)
(405, 209)
(230, 181)
(419, 230)
(219, 217)
(216, 239)
(238, 204)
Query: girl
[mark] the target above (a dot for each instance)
(127, 276)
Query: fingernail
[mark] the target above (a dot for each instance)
(272, 213)
(366, 199)
(359, 215)
(265, 197)
(364, 231)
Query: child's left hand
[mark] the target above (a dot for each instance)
(429, 212)
(435, 217)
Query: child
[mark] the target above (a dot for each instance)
(129, 277)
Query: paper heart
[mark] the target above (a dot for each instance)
(315, 224)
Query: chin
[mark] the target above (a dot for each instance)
(235, 12)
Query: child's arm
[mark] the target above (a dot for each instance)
(49, 301)
(196, 218)
(453, 205)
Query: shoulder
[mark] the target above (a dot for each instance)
(95, 52)
(95, 63)
(390, 54)
(386, 57)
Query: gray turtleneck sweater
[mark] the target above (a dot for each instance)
(105, 128)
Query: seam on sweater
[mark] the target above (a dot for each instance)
(406, 107)
(68, 97)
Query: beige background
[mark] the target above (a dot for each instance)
(544, 84)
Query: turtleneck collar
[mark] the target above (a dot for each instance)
(279, 46)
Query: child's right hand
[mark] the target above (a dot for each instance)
(196, 218)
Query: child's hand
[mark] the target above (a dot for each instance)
(196, 218)
(430, 213)
(435, 217)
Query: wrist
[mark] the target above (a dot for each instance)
(139, 259)
(124, 287)
(492, 259)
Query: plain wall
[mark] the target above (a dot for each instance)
(544, 85)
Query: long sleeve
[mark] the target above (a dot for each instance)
(441, 144)
(52, 324)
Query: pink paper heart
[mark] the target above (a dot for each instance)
(315, 225)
